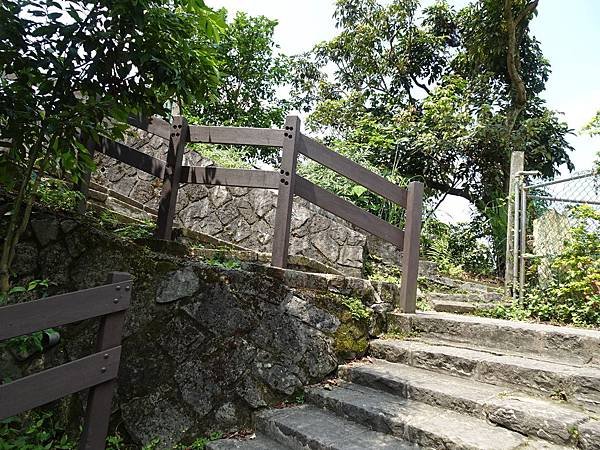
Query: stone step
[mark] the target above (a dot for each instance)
(546, 419)
(471, 297)
(425, 425)
(577, 384)
(308, 427)
(258, 442)
(574, 345)
(469, 286)
(460, 307)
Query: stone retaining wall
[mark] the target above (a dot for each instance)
(242, 216)
(203, 346)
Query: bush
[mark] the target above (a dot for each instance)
(58, 194)
(457, 249)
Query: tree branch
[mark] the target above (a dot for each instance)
(451, 190)
(527, 11)
(419, 84)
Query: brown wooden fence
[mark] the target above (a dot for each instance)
(286, 181)
(97, 371)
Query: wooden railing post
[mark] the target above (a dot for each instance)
(412, 238)
(98, 409)
(285, 195)
(168, 195)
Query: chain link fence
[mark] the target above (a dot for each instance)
(552, 219)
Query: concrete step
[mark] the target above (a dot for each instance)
(425, 425)
(471, 297)
(460, 307)
(307, 427)
(258, 442)
(550, 420)
(565, 344)
(577, 384)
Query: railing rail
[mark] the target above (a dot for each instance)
(286, 181)
(97, 371)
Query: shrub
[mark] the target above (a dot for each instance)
(458, 249)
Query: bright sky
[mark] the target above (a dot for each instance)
(568, 31)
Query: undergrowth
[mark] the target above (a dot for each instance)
(358, 311)
(41, 430)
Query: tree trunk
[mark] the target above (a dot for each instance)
(515, 27)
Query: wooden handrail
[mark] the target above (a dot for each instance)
(132, 157)
(154, 125)
(97, 371)
(40, 388)
(25, 318)
(261, 137)
(350, 212)
(218, 176)
(288, 184)
(349, 169)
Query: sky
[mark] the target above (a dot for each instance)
(569, 32)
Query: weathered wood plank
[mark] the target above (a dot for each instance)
(168, 195)
(347, 211)
(154, 125)
(133, 157)
(285, 195)
(44, 387)
(230, 177)
(25, 318)
(100, 397)
(260, 137)
(348, 168)
(412, 239)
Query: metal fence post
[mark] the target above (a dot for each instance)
(523, 243)
(517, 164)
(412, 239)
(98, 409)
(285, 195)
(168, 195)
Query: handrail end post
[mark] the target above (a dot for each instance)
(410, 256)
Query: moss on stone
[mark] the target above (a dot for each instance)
(350, 340)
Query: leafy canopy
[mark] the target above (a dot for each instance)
(252, 73)
(427, 93)
(73, 68)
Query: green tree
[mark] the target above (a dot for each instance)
(68, 67)
(593, 129)
(252, 71)
(435, 93)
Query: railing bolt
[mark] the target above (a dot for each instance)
(106, 356)
(127, 288)
(115, 301)
(103, 369)
(118, 288)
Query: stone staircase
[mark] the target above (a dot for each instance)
(461, 297)
(458, 382)
(440, 380)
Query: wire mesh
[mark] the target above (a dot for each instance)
(556, 223)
